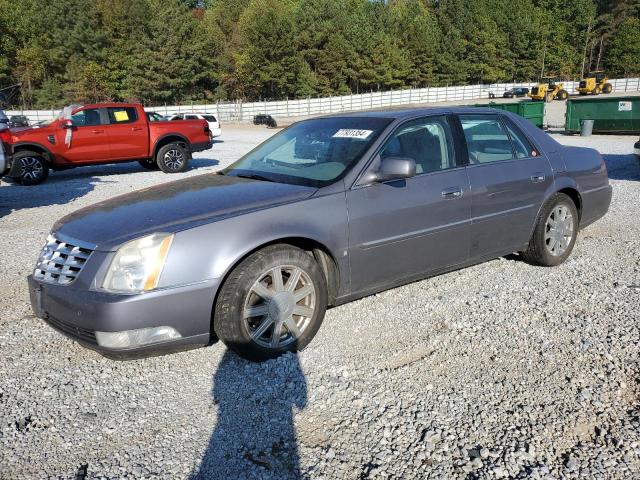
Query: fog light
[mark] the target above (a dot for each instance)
(134, 338)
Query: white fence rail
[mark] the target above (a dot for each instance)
(240, 111)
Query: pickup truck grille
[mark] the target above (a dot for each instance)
(60, 262)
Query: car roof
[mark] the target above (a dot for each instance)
(401, 113)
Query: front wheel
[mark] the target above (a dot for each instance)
(555, 232)
(563, 95)
(172, 158)
(33, 168)
(608, 88)
(273, 302)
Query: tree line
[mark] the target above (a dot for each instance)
(171, 51)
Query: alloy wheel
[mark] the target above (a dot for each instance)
(558, 230)
(173, 159)
(31, 168)
(279, 306)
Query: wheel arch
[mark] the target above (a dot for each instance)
(34, 147)
(170, 138)
(322, 254)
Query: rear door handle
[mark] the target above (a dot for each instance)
(537, 178)
(97, 131)
(453, 192)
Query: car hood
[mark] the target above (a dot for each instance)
(172, 207)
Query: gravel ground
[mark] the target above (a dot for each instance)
(499, 370)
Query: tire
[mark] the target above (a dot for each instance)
(172, 158)
(549, 97)
(149, 164)
(251, 333)
(607, 88)
(596, 91)
(34, 168)
(544, 239)
(563, 95)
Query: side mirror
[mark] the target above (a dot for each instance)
(395, 168)
(66, 124)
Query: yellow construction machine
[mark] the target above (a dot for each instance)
(595, 83)
(549, 90)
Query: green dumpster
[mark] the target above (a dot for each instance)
(532, 111)
(609, 114)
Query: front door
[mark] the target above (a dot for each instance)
(399, 230)
(86, 140)
(509, 178)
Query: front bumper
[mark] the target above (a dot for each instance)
(79, 313)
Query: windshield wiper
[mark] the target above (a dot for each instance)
(254, 176)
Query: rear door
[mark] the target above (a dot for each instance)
(128, 132)
(87, 140)
(508, 178)
(407, 228)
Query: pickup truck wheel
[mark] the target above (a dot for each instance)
(149, 164)
(32, 168)
(555, 233)
(172, 158)
(273, 302)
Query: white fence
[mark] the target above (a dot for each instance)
(240, 111)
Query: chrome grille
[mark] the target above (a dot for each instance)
(61, 261)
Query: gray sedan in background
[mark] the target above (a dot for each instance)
(327, 211)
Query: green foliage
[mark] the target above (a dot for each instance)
(623, 57)
(172, 51)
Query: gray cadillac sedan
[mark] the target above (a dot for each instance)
(327, 211)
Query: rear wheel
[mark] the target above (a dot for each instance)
(32, 168)
(273, 302)
(555, 232)
(549, 97)
(607, 88)
(597, 90)
(563, 95)
(172, 158)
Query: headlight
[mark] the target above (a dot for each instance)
(138, 264)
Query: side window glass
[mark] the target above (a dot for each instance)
(119, 115)
(521, 145)
(86, 118)
(487, 140)
(190, 117)
(427, 140)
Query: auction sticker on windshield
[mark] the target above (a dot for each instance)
(352, 133)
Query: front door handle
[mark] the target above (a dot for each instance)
(453, 192)
(97, 131)
(136, 129)
(537, 178)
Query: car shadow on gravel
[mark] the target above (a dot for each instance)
(17, 197)
(254, 435)
(623, 167)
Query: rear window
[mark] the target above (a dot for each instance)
(119, 115)
(209, 118)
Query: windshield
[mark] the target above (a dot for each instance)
(313, 153)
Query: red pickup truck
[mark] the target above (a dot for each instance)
(104, 133)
